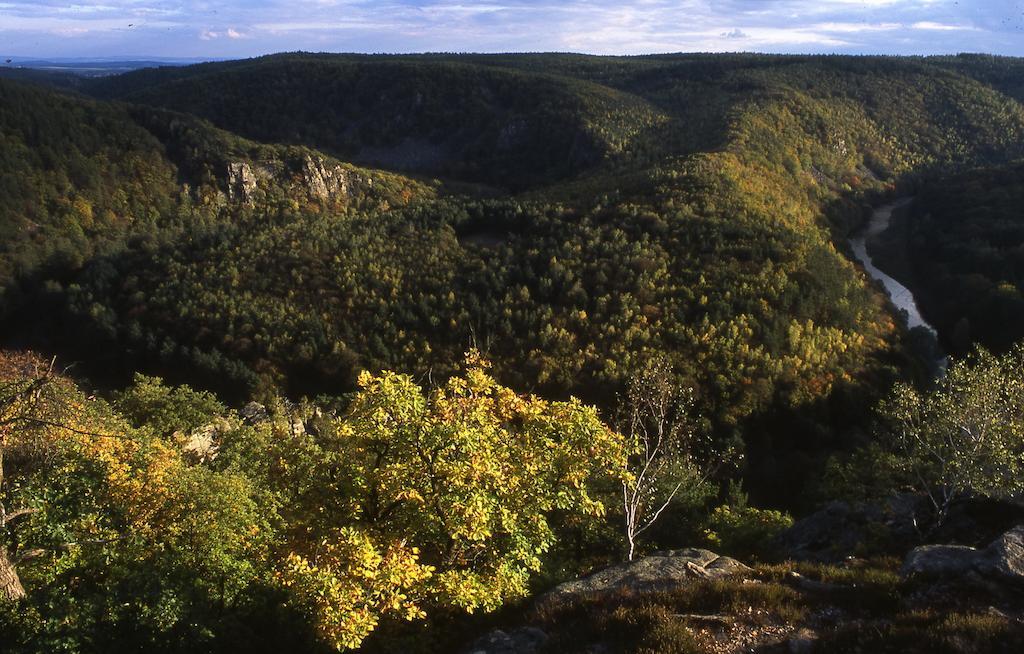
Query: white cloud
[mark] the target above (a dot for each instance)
(341, 26)
(854, 28)
(942, 27)
(70, 31)
(598, 26)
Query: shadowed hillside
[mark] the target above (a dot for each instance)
(482, 124)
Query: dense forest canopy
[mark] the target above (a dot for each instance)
(698, 215)
(292, 225)
(964, 238)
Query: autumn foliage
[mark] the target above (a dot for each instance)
(418, 499)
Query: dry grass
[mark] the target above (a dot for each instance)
(930, 632)
(685, 619)
(860, 606)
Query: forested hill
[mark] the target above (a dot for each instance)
(445, 117)
(520, 120)
(691, 207)
(1005, 74)
(80, 177)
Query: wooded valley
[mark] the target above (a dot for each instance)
(318, 352)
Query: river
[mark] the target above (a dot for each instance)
(900, 295)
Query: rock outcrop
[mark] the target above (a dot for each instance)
(324, 181)
(1002, 562)
(242, 182)
(309, 175)
(657, 571)
(203, 443)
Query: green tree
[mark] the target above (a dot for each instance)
(964, 437)
(86, 496)
(667, 459)
(166, 409)
(449, 495)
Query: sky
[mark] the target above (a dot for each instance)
(244, 28)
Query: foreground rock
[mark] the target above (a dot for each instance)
(254, 413)
(525, 640)
(1002, 562)
(202, 444)
(655, 572)
(658, 571)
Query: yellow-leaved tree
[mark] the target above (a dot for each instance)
(450, 494)
(84, 494)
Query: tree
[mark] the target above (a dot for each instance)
(666, 459)
(964, 437)
(84, 495)
(165, 409)
(30, 405)
(449, 496)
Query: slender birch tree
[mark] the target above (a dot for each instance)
(667, 459)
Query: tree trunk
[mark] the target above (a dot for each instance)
(10, 584)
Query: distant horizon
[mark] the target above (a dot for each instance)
(14, 59)
(202, 30)
(108, 59)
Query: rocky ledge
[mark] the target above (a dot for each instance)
(659, 571)
(951, 597)
(1002, 562)
(655, 572)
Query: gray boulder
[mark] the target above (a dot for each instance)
(1001, 562)
(1006, 556)
(657, 571)
(940, 561)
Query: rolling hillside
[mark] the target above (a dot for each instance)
(482, 124)
(687, 206)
